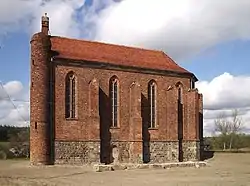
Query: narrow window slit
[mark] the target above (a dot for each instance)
(70, 97)
(114, 101)
(152, 104)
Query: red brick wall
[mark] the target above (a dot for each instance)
(92, 85)
(83, 129)
(39, 100)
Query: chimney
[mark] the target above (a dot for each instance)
(45, 24)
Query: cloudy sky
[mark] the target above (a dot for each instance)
(208, 37)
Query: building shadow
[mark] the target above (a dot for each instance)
(52, 113)
(207, 154)
(145, 132)
(105, 135)
(203, 154)
(180, 129)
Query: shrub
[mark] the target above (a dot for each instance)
(3, 155)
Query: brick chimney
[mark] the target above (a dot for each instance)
(45, 24)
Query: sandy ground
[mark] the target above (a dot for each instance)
(222, 169)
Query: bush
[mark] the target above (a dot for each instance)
(4, 148)
(3, 155)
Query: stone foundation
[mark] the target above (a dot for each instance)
(191, 150)
(162, 152)
(77, 152)
(151, 152)
(126, 152)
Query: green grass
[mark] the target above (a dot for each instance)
(232, 151)
(4, 144)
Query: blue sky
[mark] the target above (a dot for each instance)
(232, 57)
(209, 38)
(15, 55)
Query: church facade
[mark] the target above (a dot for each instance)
(93, 102)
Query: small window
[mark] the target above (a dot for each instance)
(152, 104)
(192, 84)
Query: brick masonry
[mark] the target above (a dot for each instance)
(81, 139)
(88, 124)
(39, 100)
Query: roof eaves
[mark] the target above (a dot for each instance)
(103, 65)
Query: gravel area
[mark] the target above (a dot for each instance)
(221, 170)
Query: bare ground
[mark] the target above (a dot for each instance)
(222, 169)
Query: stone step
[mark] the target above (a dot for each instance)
(127, 166)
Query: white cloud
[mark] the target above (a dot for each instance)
(26, 15)
(62, 17)
(222, 94)
(181, 28)
(11, 88)
(16, 113)
(226, 91)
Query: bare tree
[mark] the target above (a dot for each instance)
(228, 126)
(222, 124)
(235, 125)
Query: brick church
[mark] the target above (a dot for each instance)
(93, 102)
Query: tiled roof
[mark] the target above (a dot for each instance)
(113, 54)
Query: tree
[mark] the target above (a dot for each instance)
(228, 127)
(19, 142)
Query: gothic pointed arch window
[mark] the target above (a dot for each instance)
(70, 96)
(179, 92)
(179, 88)
(152, 91)
(114, 98)
(179, 95)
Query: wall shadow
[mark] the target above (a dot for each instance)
(105, 121)
(52, 113)
(207, 155)
(202, 145)
(145, 132)
(180, 129)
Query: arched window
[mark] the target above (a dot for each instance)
(152, 104)
(179, 95)
(192, 83)
(114, 97)
(179, 88)
(70, 96)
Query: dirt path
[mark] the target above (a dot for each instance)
(222, 170)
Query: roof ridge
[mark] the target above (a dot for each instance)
(110, 44)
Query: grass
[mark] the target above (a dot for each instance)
(4, 144)
(245, 150)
